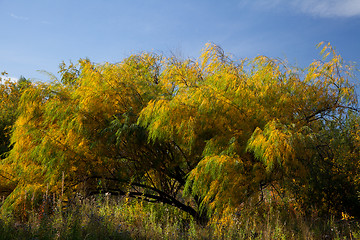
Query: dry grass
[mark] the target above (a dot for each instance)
(106, 217)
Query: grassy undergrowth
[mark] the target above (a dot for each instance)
(106, 217)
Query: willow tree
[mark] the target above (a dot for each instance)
(222, 130)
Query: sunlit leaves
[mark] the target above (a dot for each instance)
(274, 145)
(218, 128)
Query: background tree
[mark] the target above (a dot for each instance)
(10, 93)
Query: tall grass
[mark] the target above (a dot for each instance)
(106, 217)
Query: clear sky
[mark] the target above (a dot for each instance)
(40, 34)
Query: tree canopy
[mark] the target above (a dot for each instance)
(202, 135)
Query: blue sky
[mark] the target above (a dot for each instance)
(40, 34)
